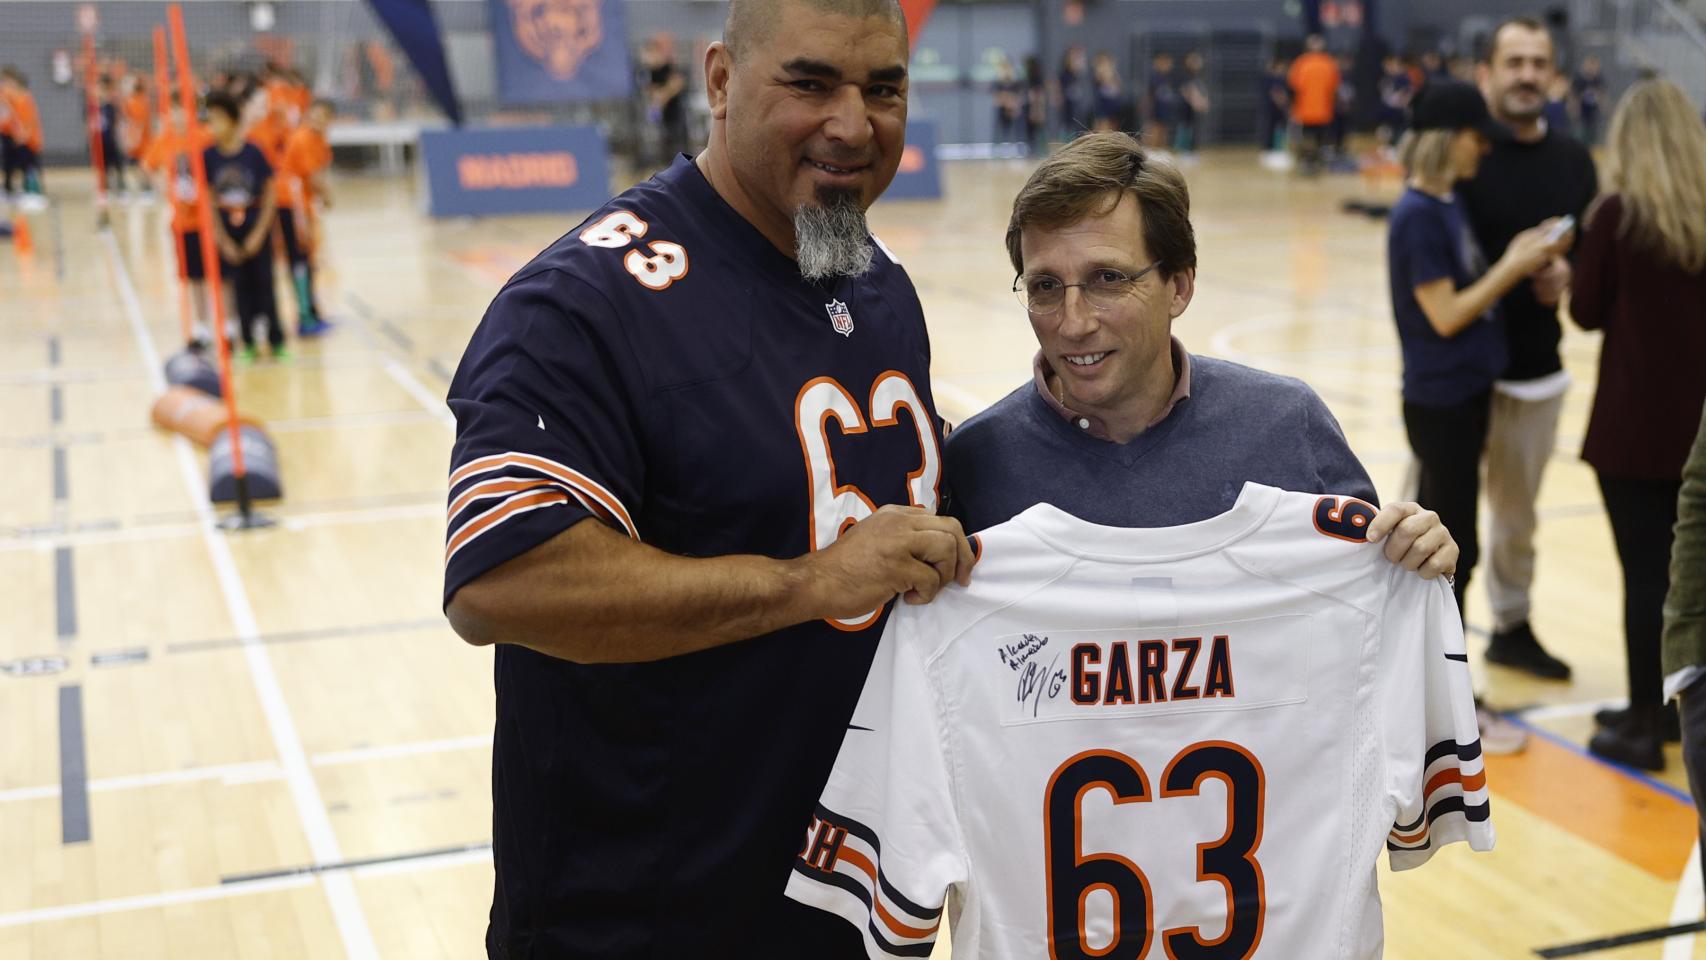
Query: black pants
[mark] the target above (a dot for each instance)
(113, 158)
(1643, 513)
(1693, 704)
(8, 158)
(252, 289)
(301, 260)
(1448, 442)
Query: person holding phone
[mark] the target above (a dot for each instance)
(1444, 299)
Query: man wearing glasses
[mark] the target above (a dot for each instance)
(1120, 425)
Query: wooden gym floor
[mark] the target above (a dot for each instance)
(269, 744)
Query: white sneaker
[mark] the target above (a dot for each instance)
(32, 203)
(1499, 737)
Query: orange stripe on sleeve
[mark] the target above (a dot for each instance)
(516, 504)
(556, 471)
(865, 866)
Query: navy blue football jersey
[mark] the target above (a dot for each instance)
(663, 369)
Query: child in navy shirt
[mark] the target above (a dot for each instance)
(241, 184)
(1444, 299)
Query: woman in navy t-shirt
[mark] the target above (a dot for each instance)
(1444, 299)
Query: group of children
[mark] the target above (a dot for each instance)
(20, 139)
(265, 152)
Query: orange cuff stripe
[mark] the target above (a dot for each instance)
(1471, 783)
(492, 488)
(514, 505)
(557, 472)
(865, 866)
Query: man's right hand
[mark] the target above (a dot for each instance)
(897, 551)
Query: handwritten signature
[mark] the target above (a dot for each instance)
(1015, 655)
(1036, 683)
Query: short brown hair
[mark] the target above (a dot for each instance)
(1088, 177)
(1531, 24)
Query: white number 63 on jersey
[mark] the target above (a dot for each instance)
(666, 264)
(834, 506)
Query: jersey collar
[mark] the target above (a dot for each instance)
(1080, 538)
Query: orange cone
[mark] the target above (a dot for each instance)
(21, 239)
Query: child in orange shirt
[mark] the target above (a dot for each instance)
(302, 181)
(134, 132)
(168, 159)
(25, 155)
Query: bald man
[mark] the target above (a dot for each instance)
(696, 458)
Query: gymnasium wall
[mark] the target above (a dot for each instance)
(953, 66)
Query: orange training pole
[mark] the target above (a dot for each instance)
(209, 248)
(89, 79)
(163, 86)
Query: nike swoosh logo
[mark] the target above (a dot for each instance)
(854, 726)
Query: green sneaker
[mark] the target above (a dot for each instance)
(282, 354)
(248, 355)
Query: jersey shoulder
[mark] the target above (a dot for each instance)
(1319, 542)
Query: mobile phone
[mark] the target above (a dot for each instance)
(1560, 228)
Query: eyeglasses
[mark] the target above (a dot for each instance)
(1042, 294)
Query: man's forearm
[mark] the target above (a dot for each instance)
(592, 595)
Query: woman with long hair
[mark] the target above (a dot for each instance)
(1641, 277)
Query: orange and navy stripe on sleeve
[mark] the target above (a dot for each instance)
(1455, 781)
(843, 853)
(486, 492)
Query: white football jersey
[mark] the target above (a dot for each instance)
(1189, 742)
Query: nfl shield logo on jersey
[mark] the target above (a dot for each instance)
(839, 318)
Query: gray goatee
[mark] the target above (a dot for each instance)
(830, 236)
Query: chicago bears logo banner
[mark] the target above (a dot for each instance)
(560, 50)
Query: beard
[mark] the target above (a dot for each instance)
(1512, 106)
(830, 236)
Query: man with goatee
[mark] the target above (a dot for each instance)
(696, 457)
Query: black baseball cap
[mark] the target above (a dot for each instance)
(1451, 105)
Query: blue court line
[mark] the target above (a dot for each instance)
(56, 405)
(73, 768)
(1636, 775)
(65, 593)
(61, 477)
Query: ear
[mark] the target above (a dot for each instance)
(1184, 287)
(719, 66)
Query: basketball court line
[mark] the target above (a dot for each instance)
(257, 771)
(53, 537)
(311, 811)
(1690, 902)
(172, 898)
(73, 767)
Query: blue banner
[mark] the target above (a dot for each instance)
(492, 170)
(416, 31)
(920, 174)
(553, 51)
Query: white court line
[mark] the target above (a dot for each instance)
(151, 900)
(412, 385)
(388, 751)
(231, 773)
(1687, 907)
(174, 531)
(310, 809)
(406, 511)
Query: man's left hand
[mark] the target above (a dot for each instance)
(1551, 281)
(1415, 539)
